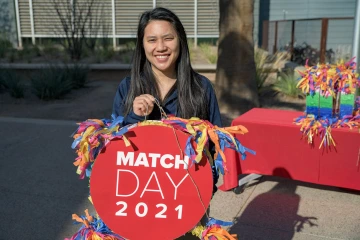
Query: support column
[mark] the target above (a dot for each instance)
(113, 23)
(324, 33)
(356, 41)
(195, 24)
(18, 26)
(32, 22)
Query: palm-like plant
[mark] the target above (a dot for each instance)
(286, 84)
(12, 83)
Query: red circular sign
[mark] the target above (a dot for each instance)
(146, 190)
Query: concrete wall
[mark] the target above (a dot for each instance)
(8, 21)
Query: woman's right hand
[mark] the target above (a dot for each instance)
(143, 105)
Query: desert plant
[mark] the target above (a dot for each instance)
(12, 83)
(12, 55)
(191, 49)
(209, 52)
(29, 52)
(342, 52)
(286, 84)
(50, 49)
(104, 54)
(51, 83)
(77, 74)
(5, 46)
(130, 46)
(261, 73)
(126, 59)
(265, 64)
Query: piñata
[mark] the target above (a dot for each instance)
(330, 100)
(94, 134)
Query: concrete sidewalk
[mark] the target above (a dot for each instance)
(39, 190)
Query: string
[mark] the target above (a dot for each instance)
(163, 115)
(187, 169)
(162, 112)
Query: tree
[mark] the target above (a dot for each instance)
(235, 72)
(80, 22)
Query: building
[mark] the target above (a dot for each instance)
(37, 18)
(277, 23)
(323, 24)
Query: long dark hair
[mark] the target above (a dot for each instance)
(192, 100)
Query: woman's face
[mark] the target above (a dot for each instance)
(161, 45)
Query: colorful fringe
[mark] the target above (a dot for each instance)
(94, 134)
(322, 83)
(310, 127)
(93, 229)
(213, 232)
(329, 79)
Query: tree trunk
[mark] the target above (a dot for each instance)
(235, 72)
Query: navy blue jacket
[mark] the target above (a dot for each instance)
(169, 105)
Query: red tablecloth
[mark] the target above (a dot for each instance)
(280, 151)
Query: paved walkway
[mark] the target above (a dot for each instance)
(39, 190)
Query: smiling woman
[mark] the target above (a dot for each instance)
(162, 73)
(161, 70)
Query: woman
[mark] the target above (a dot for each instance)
(162, 72)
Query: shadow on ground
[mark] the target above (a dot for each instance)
(274, 212)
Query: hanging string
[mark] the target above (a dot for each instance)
(187, 170)
(162, 112)
(163, 115)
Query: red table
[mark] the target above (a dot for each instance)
(280, 151)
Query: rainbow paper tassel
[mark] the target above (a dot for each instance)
(93, 229)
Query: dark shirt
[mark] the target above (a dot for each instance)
(169, 105)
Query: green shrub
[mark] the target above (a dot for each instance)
(130, 46)
(12, 83)
(261, 73)
(49, 49)
(51, 83)
(126, 59)
(191, 45)
(12, 55)
(265, 64)
(209, 52)
(78, 75)
(5, 47)
(286, 84)
(29, 52)
(104, 54)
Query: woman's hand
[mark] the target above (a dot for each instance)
(143, 105)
